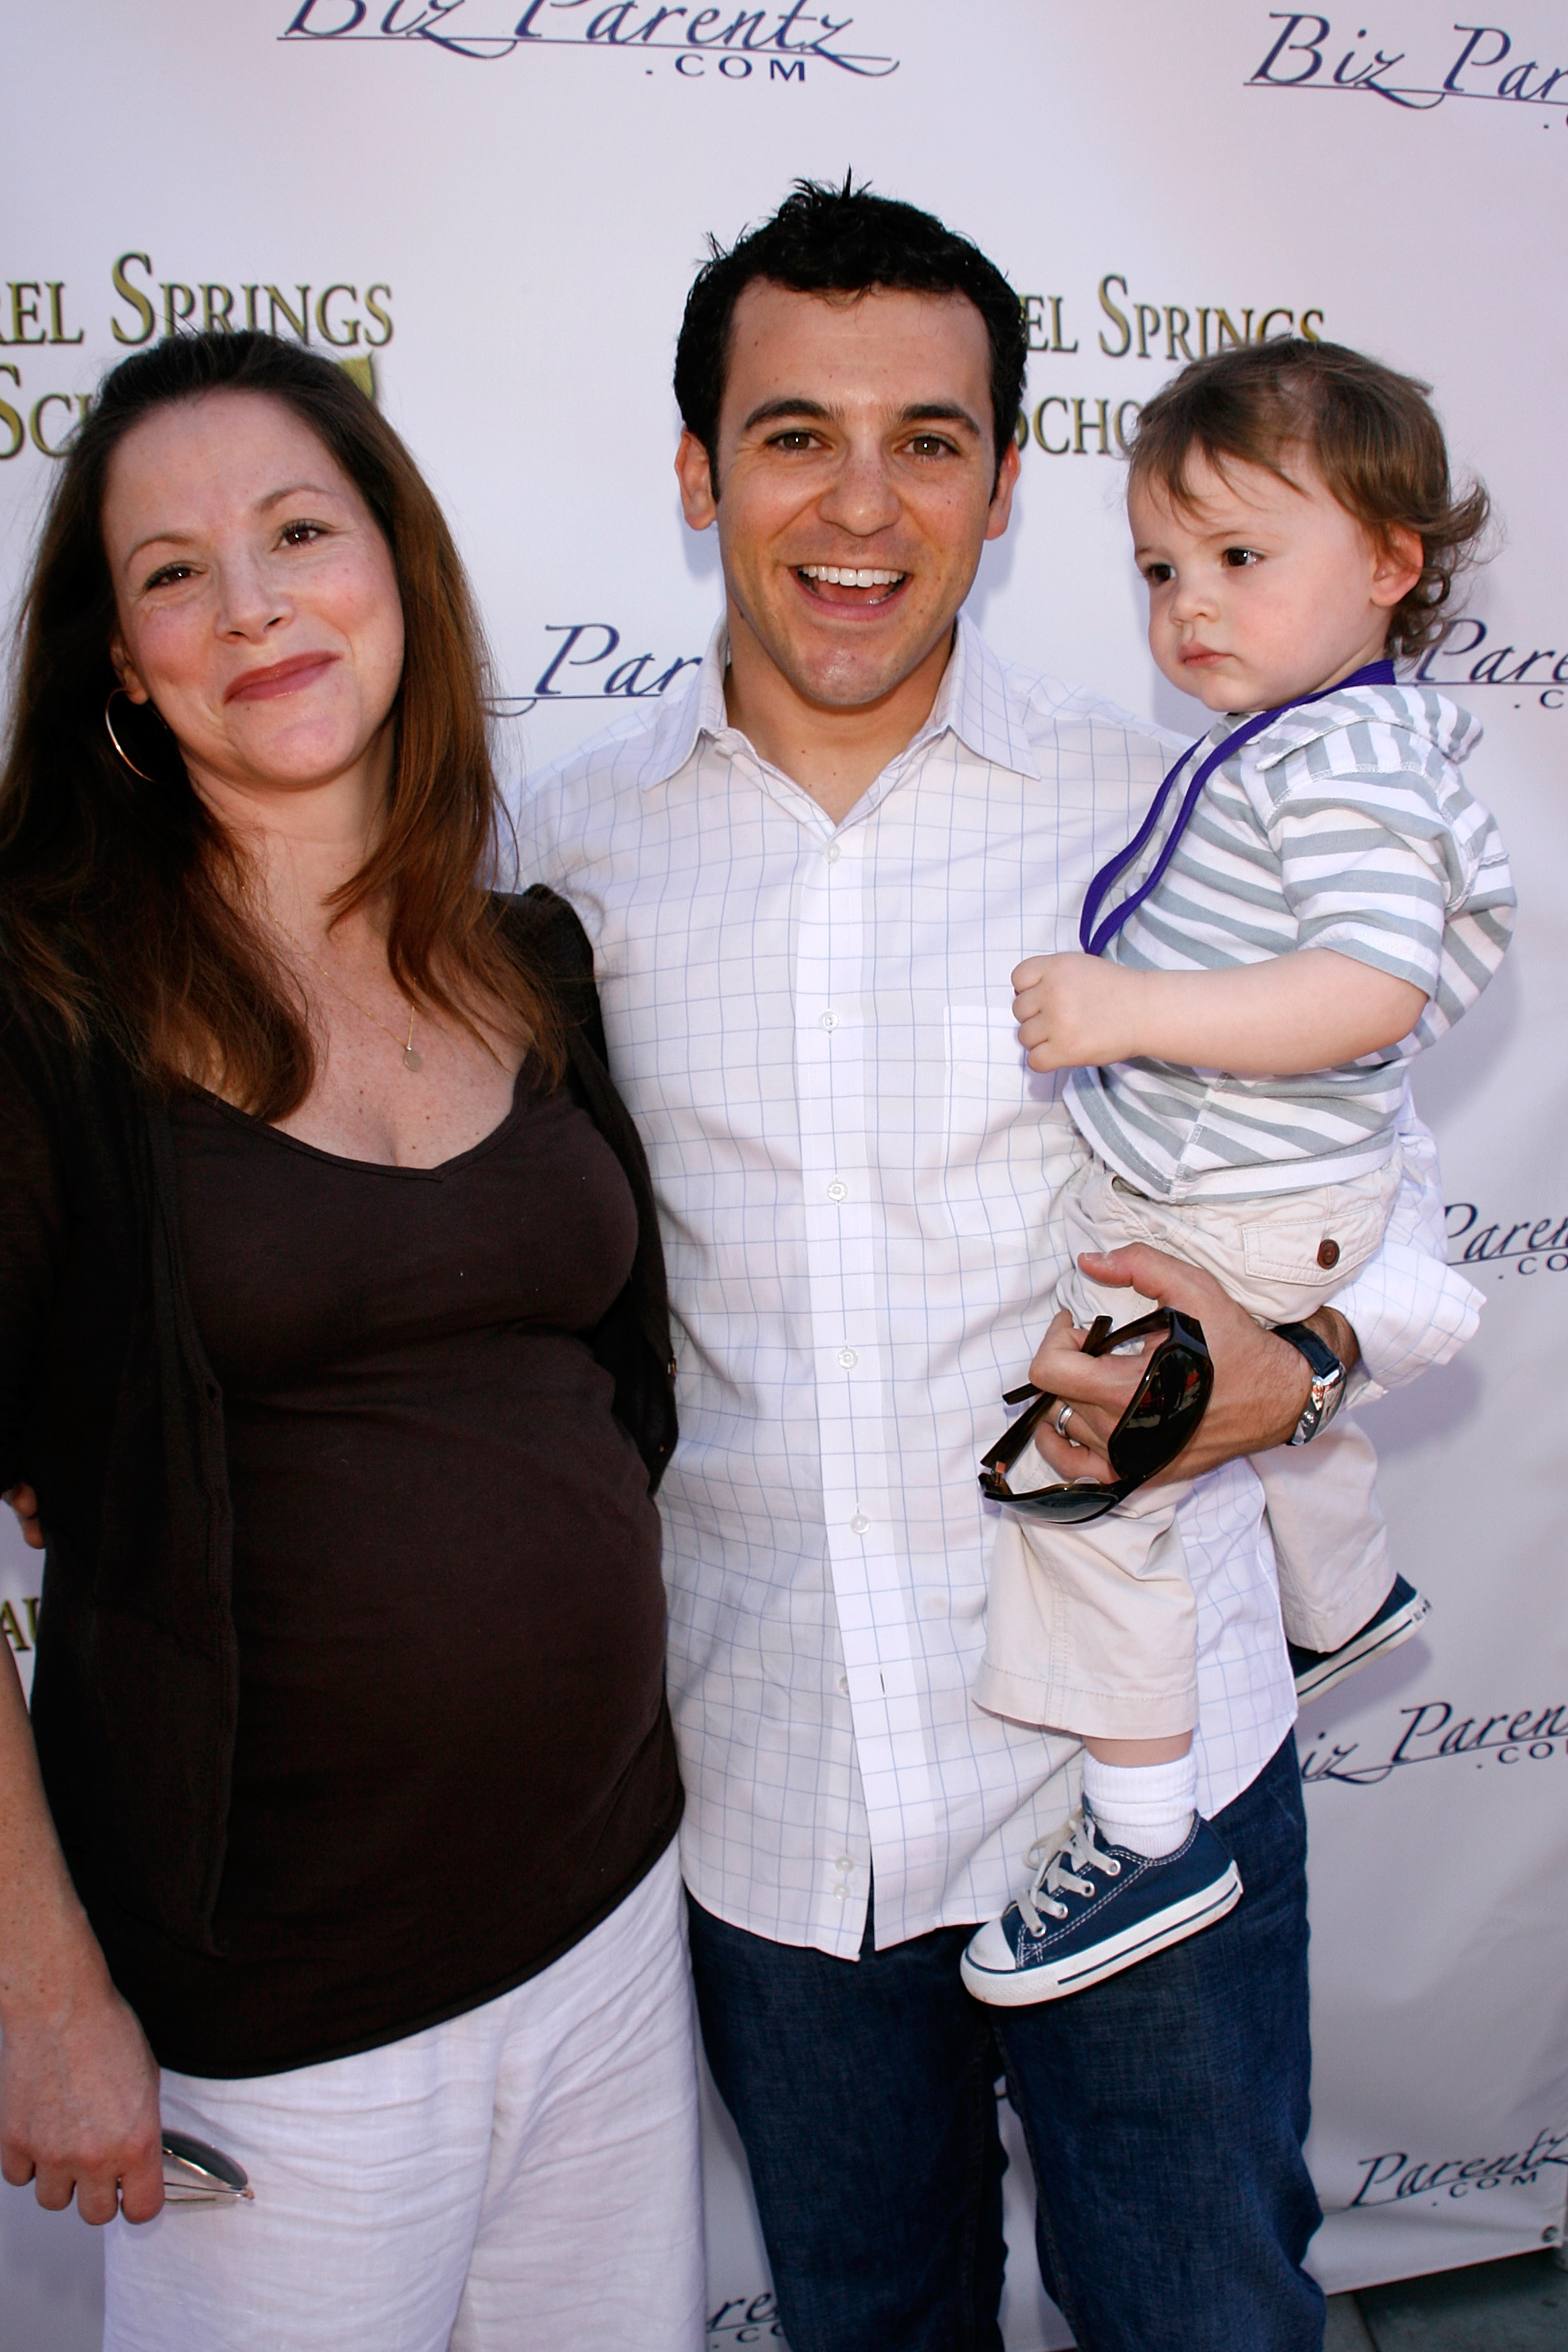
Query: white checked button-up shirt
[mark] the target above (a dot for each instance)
(857, 1176)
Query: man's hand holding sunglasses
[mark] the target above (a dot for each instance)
(1261, 1384)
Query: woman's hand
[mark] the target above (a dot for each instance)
(79, 2105)
(25, 1503)
(1261, 1386)
(79, 2088)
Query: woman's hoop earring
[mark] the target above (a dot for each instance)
(118, 744)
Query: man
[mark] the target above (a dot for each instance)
(807, 878)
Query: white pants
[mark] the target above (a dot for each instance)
(1093, 1629)
(524, 2176)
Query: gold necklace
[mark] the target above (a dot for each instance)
(412, 1060)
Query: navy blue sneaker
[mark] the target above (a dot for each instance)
(1092, 1909)
(1320, 1670)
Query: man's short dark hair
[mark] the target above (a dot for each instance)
(826, 240)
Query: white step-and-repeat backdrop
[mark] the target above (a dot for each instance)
(501, 212)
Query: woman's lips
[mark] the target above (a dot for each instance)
(282, 677)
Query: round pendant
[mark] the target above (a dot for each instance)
(412, 1059)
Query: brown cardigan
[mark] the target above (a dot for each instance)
(110, 1409)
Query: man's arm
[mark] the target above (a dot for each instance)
(534, 807)
(1411, 1309)
(1261, 1384)
(25, 1503)
(1405, 1311)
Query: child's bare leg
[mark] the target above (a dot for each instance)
(1141, 1793)
(1141, 1751)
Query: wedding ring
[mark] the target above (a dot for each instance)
(1060, 1423)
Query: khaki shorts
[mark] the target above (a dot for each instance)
(1093, 1629)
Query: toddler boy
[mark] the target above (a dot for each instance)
(1315, 898)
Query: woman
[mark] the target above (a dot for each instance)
(334, 1349)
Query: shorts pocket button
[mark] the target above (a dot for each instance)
(1328, 1254)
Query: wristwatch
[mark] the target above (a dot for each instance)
(1328, 1380)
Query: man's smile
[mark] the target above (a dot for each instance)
(849, 587)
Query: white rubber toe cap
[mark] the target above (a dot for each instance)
(990, 1951)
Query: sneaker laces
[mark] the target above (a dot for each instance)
(1058, 1861)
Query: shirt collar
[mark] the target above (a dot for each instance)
(978, 701)
(695, 708)
(1420, 713)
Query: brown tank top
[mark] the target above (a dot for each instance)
(453, 1756)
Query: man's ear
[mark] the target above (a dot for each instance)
(1002, 496)
(125, 671)
(699, 503)
(1398, 560)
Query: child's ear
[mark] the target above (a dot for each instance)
(1398, 560)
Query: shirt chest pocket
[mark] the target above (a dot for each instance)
(989, 1084)
(1006, 1131)
(1008, 1147)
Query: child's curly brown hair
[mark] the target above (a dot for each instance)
(1370, 432)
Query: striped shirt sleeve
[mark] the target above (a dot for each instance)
(1385, 857)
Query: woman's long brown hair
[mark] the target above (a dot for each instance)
(124, 904)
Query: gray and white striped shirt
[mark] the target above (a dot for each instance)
(1345, 824)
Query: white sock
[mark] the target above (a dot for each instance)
(1148, 1808)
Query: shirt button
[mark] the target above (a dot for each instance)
(848, 1358)
(845, 1862)
(859, 1524)
(833, 853)
(844, 1685)
(830, 1020)
(838, 1190)
(842, 1893)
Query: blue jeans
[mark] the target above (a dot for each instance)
(1164, 2112)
